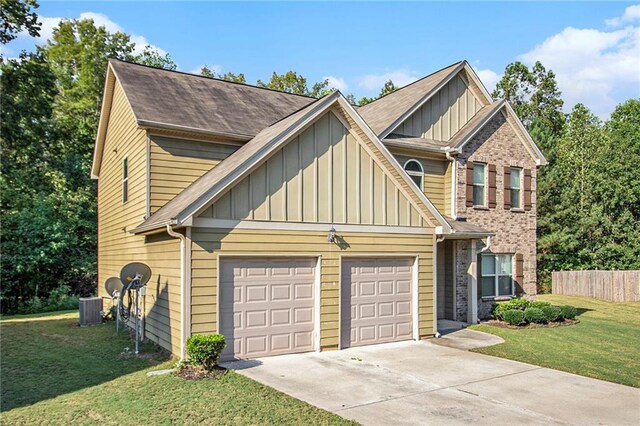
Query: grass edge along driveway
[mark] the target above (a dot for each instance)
(604, 345)
(54, 372)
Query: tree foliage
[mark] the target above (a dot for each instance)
(292, 82)
(16, 16)
(389, 87)
(228, 76)
(154, 58)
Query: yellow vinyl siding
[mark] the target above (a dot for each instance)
(435, 180)
(444, 114)
(116, 245)
(176, 163)
(208, 244)
(341, 183)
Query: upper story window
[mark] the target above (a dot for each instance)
(479, 184)
(497, 275)
(516, 188)
(125, 180)
(416, 172)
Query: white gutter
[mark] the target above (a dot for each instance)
(454, 184)
(185, 293)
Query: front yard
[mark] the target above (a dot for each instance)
(604, 345)
(54, 372)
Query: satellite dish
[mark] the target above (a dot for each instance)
(113, 285)
(130, 270)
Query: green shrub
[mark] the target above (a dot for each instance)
(539, 304)
(498, 309)
(534, 315)
(551, 313)
(568, 312)
(205, 349)
(58, 300)
(514, 316)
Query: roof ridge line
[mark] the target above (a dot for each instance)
(209, 78)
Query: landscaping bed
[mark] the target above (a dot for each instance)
(604, 343)
(522, 313)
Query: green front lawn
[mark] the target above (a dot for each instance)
(54, 372)
(604, 345)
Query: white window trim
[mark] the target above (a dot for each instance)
(420, 174)
(495, 276)
(124, 179)
(484, 185)
(521, 192)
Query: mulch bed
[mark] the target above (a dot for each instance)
(503, 324)
(190, 372)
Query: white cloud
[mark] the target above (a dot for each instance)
(489, 78)
(631, 14)
(336, 83)
(400, 77)
(597, 68)
(50, 23)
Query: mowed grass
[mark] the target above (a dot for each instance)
(54, 372)
(604, 345)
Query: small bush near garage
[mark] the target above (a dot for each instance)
(539, 304)
(205, 349)
(203, 352)
(514, 316)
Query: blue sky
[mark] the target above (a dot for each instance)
(593, 47)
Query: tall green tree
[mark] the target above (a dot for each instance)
(535, 97)
(18, 15)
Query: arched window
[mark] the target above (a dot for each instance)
(415, 171)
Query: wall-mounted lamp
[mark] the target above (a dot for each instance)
(331, 237)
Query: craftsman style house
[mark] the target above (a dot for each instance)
(294, 224)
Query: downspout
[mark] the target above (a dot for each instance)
(473, 287)
(183, 293)
(435, 287)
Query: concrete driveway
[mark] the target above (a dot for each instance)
(418, 383)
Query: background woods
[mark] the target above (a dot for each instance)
(588, 195)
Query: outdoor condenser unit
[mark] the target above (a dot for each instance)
(90, 310)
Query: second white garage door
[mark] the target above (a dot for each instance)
(376, 301)
(266, 306)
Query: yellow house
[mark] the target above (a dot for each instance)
(293, 224)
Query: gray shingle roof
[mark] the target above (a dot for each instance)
(194, 102)
(383, 112)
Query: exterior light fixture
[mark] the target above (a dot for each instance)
(331, 237)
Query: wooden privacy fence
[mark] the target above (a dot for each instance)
(614, 286)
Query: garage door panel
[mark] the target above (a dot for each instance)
(376, 301)
(271, 311)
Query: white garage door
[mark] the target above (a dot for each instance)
(376, 301)
(266, 306)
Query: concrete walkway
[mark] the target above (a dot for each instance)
(418, 383)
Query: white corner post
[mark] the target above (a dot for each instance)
(472, 285)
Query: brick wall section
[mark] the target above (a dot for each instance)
(497, 143)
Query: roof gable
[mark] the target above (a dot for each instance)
(214, 184)
(323, 175)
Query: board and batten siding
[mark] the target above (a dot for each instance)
(116, 245)
(176, 163)
(208, 244)
(443, 114)
(322, 176)
(437, 180)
